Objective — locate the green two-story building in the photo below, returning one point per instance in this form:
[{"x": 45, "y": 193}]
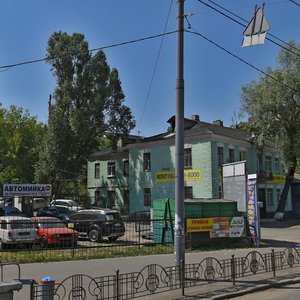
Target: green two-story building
[{"x": 143, "y": 169}]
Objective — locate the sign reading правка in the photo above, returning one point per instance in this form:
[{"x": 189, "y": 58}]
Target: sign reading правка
[
  {"x": 169, "y": 176},
  {"x": 29, "y": 190}
]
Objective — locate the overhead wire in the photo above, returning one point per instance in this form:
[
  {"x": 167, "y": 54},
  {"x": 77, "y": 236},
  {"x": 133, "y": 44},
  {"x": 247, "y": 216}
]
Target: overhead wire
[
  {"x": 296, "y": 3},
  {"x": 237, "y": 57},
  {"x": 7, "y": 67},
  {"x": 155, "y": 67},
  {"x": 236, "y": 21}
]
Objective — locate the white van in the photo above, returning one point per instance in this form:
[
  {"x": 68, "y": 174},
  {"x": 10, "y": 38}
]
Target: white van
[
  {"x": 38, "y": 203},
  {"x": 16, "y": 230}
]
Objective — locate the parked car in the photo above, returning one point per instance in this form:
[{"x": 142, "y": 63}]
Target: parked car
[
  {"x": 39, "y": 203},
  {"x": 52, "y": 231},
  {"x": 16, "y": 230},
  {"x": 97, "y": 224},
  {"x": 61, "y": 212},
  {"x": 6, "y": 201},
  {"x": 11, "y": 211},
  {"x": 71, "y": 204}
]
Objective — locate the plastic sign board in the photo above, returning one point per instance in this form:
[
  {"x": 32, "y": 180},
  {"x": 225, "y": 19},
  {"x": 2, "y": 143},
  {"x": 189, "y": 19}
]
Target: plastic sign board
[
  {"x": 256, "y": 31},
  {"x": 169, "y": 176},
  {"x": 27, "y": 190}
]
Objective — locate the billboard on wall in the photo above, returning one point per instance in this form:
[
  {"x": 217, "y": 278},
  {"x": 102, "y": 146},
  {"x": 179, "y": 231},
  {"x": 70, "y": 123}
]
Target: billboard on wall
[
  {"x": 169, "y": 176},
  {"x": 217, "y": 227},
  {"x": 234, "y": 183},
  {"x": 27, "y": 190}
]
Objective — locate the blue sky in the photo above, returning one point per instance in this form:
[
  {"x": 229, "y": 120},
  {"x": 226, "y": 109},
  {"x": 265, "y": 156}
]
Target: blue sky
[{"x": 213, "y": 79}]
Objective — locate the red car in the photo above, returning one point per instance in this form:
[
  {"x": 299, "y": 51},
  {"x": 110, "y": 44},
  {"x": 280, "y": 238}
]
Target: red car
[{"x": 52, "y": 231}]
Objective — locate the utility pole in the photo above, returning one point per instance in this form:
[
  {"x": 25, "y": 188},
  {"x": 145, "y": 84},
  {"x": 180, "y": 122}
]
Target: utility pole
[{"x": 179, "y": 236}]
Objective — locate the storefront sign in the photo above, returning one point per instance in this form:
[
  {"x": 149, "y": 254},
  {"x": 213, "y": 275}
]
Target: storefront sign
[
  {"x": 237, "y": 226},
  {"x": 277, "y": 179},
  {"x": 199, "y": 225},
  {"x": 169, "y": 176},
  {"x": 29, "y": 190}
]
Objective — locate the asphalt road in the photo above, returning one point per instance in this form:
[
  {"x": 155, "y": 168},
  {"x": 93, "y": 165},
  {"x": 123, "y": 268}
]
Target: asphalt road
[{"x": 274, "y": 234}]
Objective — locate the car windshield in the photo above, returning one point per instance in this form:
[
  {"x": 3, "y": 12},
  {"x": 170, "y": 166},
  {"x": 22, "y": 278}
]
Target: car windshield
[
  {"x": 18, "y": 224},
  {"x": 51, "y": 224},
  {"x": 12, "y": 210}
]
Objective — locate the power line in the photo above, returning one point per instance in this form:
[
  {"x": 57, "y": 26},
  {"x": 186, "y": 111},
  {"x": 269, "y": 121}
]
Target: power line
[
  {"x": 7, "y": 67},
  {"x": 239, "y": 58},
  {"x": 155, "y": 68},
  {"x": 236, "y": 21},
  {"x": 295, "y": 2}
]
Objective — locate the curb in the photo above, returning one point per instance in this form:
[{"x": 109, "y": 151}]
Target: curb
[{"x": 254, "y": 289}]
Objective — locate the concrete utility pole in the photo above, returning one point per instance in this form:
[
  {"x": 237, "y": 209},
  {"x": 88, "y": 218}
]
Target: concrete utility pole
[{"x": 179, "y": 237}]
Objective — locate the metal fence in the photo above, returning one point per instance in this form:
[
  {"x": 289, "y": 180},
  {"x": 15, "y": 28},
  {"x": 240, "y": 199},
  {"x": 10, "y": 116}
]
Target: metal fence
[
  {"x": 18, "y": 244},
  {"x": 154, "y": 278}
]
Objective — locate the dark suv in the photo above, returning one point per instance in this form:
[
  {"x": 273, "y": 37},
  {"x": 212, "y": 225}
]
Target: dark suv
[{"x": 97, "y": 224}]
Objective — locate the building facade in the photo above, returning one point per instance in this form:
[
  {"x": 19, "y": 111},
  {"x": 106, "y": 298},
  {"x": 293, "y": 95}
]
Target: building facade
[{"x": 143, "y": 169}]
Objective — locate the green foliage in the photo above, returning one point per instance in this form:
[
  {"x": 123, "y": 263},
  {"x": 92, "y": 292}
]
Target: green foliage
[
  {"x": 273, "y": 104},
  {"x": 88, "y": 104},
  {"x": 20, "y": 137}
]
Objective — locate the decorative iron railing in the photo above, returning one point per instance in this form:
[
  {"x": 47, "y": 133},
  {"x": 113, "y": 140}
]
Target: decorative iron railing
[{"x": 155, "y": 278}]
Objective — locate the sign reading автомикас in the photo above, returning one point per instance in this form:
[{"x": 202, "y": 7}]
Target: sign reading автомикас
[{"x": 30, "y": 190}]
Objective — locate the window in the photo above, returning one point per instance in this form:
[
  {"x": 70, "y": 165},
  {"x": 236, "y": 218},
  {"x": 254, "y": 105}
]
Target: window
[
  {"x": 259, "y": 162},
  {"x": 242, "y": 155},
  {"x": 147, "y": 197},
  {"x": 231, "y": 155},
  {"x": 268, "y": 163},
  {"x": 126, "y": 167},
  {"x": 277, "y": 165},
  {"x": 187, "y": 157},
  {"x": 111, "y": 198},
  {"x": 126, "y": 201},
  {"x": 270, "y": 197},
  {"x": 147, "y": 161},
  {"x": 188, "y": 192},
  {"x": 97, "y": 196},
  {"x": 278, "y": 193},
  {"x": 220, "y": 156},
  {"x": 111, "y": 168},
  {"x": 97, "y": 170}
]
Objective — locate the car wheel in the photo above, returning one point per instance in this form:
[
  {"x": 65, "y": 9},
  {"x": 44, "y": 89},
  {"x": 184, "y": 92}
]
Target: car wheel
[
  {"x": 44, "y": 242},
  {"x": 94, "y": 235}
]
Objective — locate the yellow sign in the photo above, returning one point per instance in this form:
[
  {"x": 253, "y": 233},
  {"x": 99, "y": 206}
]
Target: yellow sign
[
  {"x": 199, "y": 225},
  {"x": 169, "y": 176},
  {"x": 277, "y": 179}
]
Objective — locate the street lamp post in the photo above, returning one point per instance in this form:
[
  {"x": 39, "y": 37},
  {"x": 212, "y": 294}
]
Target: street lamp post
[{"x": 179, "y": 236}]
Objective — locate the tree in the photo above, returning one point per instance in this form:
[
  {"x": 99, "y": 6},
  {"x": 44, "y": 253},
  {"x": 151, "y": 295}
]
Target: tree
[
  {"x": 273, "y": 105},
  {"x": 88, "y": 103},
  {"x": 20, "y": 136}
]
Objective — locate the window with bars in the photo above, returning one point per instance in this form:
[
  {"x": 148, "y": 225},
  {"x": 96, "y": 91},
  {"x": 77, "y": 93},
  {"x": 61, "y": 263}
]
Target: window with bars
[
  {"x": 147, "y": 197},
  {"x": 111, "y": 168},
  {"x": 97, "y": 170},
  {"x": 147, "y": 161},
  {"x": 188, "y": 157},
  {"x": 277, "y": 164}
]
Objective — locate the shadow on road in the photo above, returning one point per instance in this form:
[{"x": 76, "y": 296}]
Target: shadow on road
[
  {"x": 278, "y": 243},
  {"x": 272, "y": 223}
]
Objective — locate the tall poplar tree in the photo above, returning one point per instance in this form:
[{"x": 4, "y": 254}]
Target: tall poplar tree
[{"x": 88, "y": 102}]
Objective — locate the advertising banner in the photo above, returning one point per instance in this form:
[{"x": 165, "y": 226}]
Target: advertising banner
[
  {"x": 252, "y": 214},
  {"x": 27, "y": 190}
]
